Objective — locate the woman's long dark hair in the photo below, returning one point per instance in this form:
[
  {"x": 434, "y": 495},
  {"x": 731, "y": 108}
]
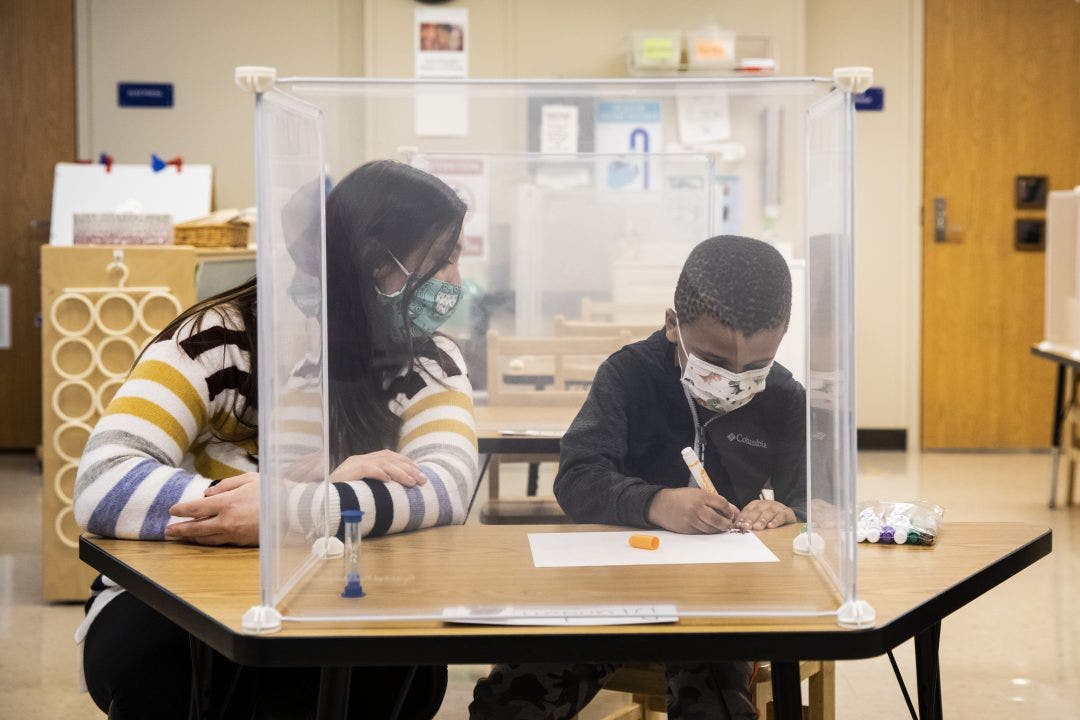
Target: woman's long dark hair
[{"x": 379, "y": 209}]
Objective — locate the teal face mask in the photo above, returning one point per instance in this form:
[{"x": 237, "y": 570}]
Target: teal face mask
[{"x": 431, "y": 305}]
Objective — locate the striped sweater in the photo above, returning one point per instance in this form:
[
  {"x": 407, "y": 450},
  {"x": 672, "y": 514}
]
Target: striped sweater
[{"x": 155, "y": 446}]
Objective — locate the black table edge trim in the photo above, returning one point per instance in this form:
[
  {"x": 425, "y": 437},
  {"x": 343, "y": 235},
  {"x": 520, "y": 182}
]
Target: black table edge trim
[
  {"x": 270, "y": 650},
  {"x": 1055, "y": 357}
]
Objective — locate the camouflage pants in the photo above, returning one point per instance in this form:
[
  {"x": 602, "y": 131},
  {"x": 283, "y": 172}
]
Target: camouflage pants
[{"x": 717, "y": 691}]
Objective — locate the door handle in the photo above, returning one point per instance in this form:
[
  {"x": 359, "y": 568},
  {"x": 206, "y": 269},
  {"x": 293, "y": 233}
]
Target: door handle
[{"x": 941, "y": 221}]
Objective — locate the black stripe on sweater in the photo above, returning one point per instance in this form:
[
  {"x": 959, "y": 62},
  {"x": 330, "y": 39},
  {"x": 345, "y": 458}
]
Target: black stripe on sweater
[
  {"x": 211, "y": 338},
  {"x": 229, "y": 378},
  {"x": 384, "y": 507},
  {"x": 347, "y": 500}
]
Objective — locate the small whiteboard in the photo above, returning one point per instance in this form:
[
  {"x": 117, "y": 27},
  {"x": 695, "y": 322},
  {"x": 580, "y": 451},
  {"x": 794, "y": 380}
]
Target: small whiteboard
[{"x": 81, "y": 188}]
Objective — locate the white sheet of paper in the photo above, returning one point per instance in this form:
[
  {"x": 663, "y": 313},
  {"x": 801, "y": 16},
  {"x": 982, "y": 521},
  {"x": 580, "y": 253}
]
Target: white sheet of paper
[
  {"x": 596, "y": 549},
  {"x": 562, "y": 615},
  {"x": 442, "y": 111}
]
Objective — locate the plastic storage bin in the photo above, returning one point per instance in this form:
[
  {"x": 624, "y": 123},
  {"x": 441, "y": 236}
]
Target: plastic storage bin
[
  {"x": 596, "y": 232},
  {"x": 710, "y": 48},
  {"x": 656, "y": 49}
]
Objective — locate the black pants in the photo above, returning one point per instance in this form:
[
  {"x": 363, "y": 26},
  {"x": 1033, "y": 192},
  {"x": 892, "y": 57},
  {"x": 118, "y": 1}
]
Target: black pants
[{"x": 138, "y": 664}]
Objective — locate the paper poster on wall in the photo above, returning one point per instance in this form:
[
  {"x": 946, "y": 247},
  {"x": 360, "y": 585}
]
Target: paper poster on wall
[
  {"x": 469, "y": 178},
  {"x": 702, "y": 118},
  {"x": 441, "y": 44},
  {"x": 627, "y": 128},
  {"x": 686, "y": 206},
  {"x": 559, "y": 129},
  {"x": 441, "y": 41}
]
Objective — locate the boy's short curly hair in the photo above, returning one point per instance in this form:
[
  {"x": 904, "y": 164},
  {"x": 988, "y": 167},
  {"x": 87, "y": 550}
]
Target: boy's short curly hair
[{"x": 742, "y": 282}]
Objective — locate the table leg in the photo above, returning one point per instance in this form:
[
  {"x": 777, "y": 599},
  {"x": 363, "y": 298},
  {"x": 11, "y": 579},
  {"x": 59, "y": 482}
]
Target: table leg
[
  {"x": 199, "y": 702},
  {"x": 333, "y": 693},
  {"x": 534, "y": 480},
  {"x": 406, "y": 685},
  {"x": 928, "y": 672},
  {"x": 787, "y": 697},
  {"x": 1055, "y": 433}
]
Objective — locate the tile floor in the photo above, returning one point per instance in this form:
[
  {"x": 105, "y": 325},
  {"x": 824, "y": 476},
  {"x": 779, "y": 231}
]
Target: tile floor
[{"x": 1013, "y": 653}]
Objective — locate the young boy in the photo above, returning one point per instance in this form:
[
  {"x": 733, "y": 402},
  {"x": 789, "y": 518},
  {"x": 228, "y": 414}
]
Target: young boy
[{"x": 707, "y": 381}]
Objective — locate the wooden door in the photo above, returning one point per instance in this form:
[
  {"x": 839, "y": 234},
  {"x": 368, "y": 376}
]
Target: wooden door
[
  {"x": 37, "y": 130},
  {"x": 1002, "y": 98}
]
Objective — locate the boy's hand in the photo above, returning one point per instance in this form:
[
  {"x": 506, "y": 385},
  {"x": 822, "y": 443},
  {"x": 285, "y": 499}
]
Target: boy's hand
[
  {"x": 691, "y": 511},
  {"x": 764, "y": 514}
]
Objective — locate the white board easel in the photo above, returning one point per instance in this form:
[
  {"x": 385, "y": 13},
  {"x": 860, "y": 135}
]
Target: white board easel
[{"x": 78, "y": 188}]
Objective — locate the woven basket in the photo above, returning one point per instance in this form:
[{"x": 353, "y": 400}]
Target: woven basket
[{"x": 219, "y": 229}]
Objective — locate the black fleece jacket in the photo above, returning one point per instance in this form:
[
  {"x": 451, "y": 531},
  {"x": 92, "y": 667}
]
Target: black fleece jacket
[{"x": 625, "y": 444}]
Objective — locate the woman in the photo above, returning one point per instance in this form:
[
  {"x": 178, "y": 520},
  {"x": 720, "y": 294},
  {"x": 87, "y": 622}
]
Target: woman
[{"x": 175, "y": 455}]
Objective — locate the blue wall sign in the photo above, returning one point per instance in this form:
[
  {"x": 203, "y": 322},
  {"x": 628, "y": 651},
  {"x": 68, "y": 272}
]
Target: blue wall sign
[
  {"x": 872, "y": 99},
  {"x": 144, "y": 94}
]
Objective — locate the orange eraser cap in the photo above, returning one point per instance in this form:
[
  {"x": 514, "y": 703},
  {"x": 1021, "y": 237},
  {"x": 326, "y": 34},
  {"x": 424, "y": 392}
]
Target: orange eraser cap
[{"x": 645, "y": 542}]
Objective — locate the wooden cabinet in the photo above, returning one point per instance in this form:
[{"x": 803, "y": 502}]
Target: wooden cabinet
[{"x": 100, "y": 305}]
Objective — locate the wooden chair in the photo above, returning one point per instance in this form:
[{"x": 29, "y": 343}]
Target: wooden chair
[
  {"x": 638, "y": 313},
  {"x": 647, "y": 685},
  {"x": 556, "y": 371},
  {"x": 602, "y": 328},
  {"x": 583, "y": 369}
]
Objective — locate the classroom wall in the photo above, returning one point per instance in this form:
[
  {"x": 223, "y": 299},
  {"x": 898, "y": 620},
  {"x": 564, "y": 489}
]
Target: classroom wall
[
  {"x": 887, "y": 35},
  {"x": 575, "y": 38},
  {"x": 196, "y": 44}
]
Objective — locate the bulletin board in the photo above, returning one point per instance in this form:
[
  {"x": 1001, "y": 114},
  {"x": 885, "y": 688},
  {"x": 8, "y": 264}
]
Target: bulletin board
[{"x": 93, "y": 326}]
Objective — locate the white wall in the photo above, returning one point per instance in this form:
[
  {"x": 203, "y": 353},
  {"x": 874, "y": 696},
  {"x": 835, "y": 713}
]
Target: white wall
[
  {"x": 887, "y": 35},
  {"x": 575, "y": 38},
  {"x": 195, "y": 45}
]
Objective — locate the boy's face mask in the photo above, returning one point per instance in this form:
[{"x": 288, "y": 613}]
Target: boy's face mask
[
  {"x": 431, "y": 305},
  {"x": 716, "y": 388}
]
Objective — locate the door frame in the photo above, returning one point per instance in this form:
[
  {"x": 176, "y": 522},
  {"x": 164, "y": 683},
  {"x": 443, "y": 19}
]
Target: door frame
[{"x": 914, "y": 232}]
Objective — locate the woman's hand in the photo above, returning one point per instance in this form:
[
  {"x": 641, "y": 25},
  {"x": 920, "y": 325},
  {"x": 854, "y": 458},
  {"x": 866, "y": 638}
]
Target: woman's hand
[
  {"x": 227, "y": 514},
  {"x": 307, "y": 468},
  {"x": 385, "y": 465},
  {"x": 764, "y": 514}
]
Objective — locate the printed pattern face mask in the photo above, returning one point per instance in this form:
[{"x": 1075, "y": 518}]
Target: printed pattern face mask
[
  {"x": 716, "y": 388},
  {"x": 431, "y": 305}
]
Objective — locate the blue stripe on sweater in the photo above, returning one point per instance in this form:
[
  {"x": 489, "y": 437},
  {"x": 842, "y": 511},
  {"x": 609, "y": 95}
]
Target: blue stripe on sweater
[
  {"x": 416, "y": 501},
  {"x": 157, "y": 517},
  {"x": 107, "y": 513}
]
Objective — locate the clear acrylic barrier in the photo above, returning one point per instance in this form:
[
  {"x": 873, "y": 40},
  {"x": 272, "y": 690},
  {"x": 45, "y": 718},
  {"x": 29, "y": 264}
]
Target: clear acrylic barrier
[
  {"x": 292, "y": 411},
  {"x": 584, "y": 200},
  {"x": 1062, "y": 331}
]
